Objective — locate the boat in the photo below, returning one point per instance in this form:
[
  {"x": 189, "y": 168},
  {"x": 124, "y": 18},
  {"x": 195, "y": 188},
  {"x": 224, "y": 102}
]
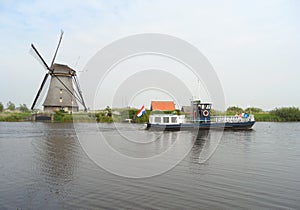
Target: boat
[{"x": 200, "y": 119}]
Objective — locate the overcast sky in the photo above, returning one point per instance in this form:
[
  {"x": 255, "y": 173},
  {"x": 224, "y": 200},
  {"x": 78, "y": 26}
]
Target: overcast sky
[{"x": 253, "y": 46}]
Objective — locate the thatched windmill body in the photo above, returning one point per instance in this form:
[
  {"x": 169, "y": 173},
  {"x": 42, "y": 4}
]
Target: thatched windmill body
[{"x": 64, "y": 90}]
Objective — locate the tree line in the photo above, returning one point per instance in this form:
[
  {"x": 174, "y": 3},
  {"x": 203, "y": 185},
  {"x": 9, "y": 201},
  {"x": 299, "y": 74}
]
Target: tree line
[
  {"x": 282, "y": 114},
  {"x": 12, "y": 107}
]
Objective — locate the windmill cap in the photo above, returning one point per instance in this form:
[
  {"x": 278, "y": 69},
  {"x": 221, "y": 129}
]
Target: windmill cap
[{"x": 62, "y": 69}]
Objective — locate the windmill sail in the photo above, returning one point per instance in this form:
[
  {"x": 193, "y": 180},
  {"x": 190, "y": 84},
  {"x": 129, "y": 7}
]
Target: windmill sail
[
  {"x": 39, "y": 91},
  {"x": 61, "y": 35}
]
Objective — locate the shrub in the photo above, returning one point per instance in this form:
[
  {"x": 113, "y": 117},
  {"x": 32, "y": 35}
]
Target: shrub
[
  {"x": 253, "y": 110},
  {"x": 11, "y": 106},
  {"x": 23, "y": 108},
  {"x": 1, "y": 107},
  {"x": 287, "y": 113},
  {"x": 266, "y": 117},
  {"x": 234, "y": 110}
]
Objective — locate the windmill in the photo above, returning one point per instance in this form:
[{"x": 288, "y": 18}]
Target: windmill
[{"x": 64, "y": 90}]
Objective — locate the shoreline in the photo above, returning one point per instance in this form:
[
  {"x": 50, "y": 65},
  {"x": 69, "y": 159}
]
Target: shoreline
[{"x": 100, "y": 118}]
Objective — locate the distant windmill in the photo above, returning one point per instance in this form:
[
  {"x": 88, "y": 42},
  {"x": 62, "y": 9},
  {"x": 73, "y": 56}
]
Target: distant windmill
[{"x": 61, "y": 93}]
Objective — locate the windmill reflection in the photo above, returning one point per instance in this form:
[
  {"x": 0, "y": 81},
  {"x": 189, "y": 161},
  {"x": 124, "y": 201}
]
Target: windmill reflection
[{"x": 57, "y": 154}]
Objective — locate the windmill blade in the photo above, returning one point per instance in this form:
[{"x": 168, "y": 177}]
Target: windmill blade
[
  {"x": 74, "y": 94},
  {"x": 39, "y": 57},
  {"x": 40, "y": 90},
  {"x": 61, "y": 35},
  {"x": 79, "y": 91}
]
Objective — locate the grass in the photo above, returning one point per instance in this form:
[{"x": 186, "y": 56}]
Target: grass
[{"x": 14, "y": 116}]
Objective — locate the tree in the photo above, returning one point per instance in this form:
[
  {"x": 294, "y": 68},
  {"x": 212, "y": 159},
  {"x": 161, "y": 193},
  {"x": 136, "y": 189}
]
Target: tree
[
  {"x": 287, "y": 113},
  {"x": 108, "y": 111},
  {"x": 1, "y": 107},
  {"x": 23, "y": 108},
  {"x": 234, "y": 110},
  {"x": 11, "y": 106},
  {"x": 253, "y": 110}
]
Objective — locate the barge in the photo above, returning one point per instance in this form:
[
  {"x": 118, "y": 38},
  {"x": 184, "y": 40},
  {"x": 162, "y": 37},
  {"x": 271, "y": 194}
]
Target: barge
[{"x": 200, "y": 119}]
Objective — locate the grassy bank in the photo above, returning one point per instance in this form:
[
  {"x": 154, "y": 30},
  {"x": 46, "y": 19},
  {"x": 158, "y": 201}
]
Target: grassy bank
[
  {"x": 76, "y": 117},
  {"x": 286, "y": 114},
  {"x": 14, "y": 116}
]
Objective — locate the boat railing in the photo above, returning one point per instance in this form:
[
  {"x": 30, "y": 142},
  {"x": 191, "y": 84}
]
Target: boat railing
[{"x": 224, "y": 119}]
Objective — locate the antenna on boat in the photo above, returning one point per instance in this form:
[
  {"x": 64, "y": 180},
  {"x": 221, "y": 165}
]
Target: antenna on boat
[{"x": 198, "y": 87}]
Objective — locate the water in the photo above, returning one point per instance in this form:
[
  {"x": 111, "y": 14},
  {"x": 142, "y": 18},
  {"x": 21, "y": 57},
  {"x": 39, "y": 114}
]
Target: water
[{"x": 42, "y": 166}]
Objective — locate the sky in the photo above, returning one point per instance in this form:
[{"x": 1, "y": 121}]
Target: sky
[{"x": 253, "y": 46}]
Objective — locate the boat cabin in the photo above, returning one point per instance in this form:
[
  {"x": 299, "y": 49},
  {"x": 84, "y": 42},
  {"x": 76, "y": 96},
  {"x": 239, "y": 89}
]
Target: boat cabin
[
  {"x": 167, "y": 119},
  {"x": 201, "y": 111}
]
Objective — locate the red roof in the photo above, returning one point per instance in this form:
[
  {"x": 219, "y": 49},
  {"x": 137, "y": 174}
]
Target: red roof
[{"x": 162, "y": 105}]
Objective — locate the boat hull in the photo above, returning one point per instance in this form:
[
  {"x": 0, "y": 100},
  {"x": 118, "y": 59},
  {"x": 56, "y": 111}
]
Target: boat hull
[{"x": 202, "y": 126}]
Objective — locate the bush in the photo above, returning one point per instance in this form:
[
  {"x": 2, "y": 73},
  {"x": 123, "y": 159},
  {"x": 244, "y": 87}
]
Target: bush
[
  {"x": 287, "y": 113},
  {"x": 103, "y": 117},
  {"x": 266, "y": 117},
  {"x": 279, "y": 115},
  {"x": 1, "y": 107},
  {"x": 23, "y": 108},
  {"x": 254, "y": 110},
  {"x": 11, "y": 106},
  {"x": 143, "y": 119},
  {"x": 214, "y": 112},
  {"x": 62, "y": 116},
  {"x": 234, "y": 110}
]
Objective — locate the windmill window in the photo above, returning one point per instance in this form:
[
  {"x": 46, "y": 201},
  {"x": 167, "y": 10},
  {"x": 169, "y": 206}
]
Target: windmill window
[
  {"x": 60, "y": 99},
  {"x": 60, "y": 91}
]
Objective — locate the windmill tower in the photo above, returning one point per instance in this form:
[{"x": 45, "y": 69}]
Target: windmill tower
[{"x": 64, "y": 90}]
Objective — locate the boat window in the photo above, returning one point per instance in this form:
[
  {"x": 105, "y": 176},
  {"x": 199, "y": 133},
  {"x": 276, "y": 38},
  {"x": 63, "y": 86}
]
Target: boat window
[
  {"x": 166, "y": 119},
  {"x": 157, "y": 120},
  {"x": 174, "y": 119},
  {"x": 151, "y": 119}
]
